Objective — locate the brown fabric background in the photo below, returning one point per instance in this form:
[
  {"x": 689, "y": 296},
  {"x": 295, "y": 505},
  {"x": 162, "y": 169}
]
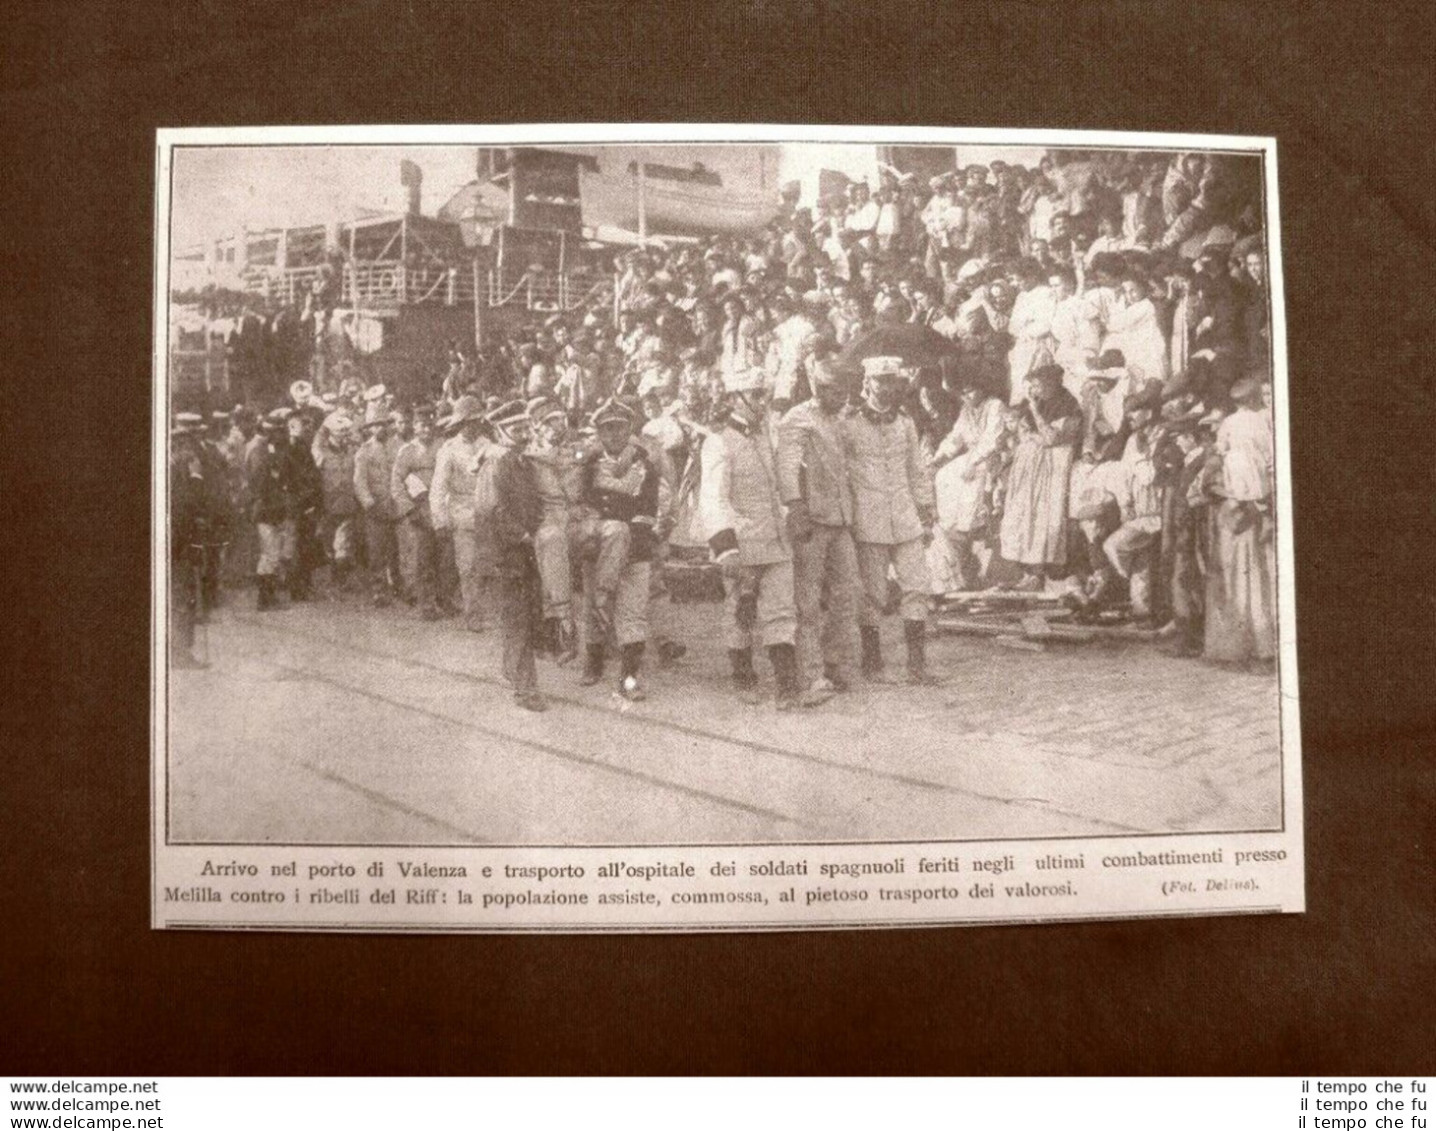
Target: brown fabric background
[{"x": 87, "y": 988}]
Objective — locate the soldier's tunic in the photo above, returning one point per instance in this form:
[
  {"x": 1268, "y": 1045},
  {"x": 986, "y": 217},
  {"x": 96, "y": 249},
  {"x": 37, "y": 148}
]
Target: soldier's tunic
[
  {"x": 336, "y": 531},
  {"x": 812, "y": 466},
  {"x": 742, "y": 512},
  {"x": 558, "y": 474},
  {"x": 451, "y": 505},
  {"x": 219, "y": 517},
  {"x": 187, "y": 523},
  {"x": 410, "y": 482},
  {"x": 373, "y": 468},
  {"x": 266, "y": 470},
  {"x": 891, "y": 482}
]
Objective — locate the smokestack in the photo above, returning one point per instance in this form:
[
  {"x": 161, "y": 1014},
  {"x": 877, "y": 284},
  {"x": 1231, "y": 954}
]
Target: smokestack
[{"x": 412, "y": 178}]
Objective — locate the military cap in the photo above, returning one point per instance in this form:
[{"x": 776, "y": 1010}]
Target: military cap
[
  {"x": 544, "y": 408},
  {"x": 508, "y": 413},
  {"x": 882, "y": 367},
  {"x": 613, "y": 409}
]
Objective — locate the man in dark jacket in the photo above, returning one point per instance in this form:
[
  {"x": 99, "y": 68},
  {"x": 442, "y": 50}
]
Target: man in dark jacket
[
  {"x": 267, "y": 473},
  {"x": 188, "y": 536},
  {"x": 516, "y": 517},
  {"x": 306, "y": 501}
]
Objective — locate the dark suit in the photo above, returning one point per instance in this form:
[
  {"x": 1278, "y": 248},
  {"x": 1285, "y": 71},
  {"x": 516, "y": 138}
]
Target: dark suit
[{"x": 517, "y": 515}]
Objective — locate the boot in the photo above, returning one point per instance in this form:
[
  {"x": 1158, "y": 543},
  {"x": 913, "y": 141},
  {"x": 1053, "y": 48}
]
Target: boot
[
  {"x": 745, "y": 679},
  {"x": 531, "y": 700},
  {"x": 264, "y": 588},
  {"x": 628, "y": 684},
  {"x": 593, "y": 665},
  {"x": 834, "y": 675},
  {"x": 299, "y": 585},
  {"x": 817, "y": 693},
  {"x": 915, "y": 632},
  {"x": 872, "y": 661},
  {"x": 785, "y": 674}
]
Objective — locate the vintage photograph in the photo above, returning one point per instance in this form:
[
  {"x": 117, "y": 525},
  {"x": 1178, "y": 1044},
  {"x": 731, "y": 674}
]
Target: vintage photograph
[{"x": 775, "y": 493}]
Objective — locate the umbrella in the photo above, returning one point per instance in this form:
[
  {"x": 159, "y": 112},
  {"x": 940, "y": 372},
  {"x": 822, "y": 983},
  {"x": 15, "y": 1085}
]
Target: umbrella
[{"x": 919, "y": 346}]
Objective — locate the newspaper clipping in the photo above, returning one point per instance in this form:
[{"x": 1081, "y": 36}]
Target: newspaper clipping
[{"x": 711, "y": 528}]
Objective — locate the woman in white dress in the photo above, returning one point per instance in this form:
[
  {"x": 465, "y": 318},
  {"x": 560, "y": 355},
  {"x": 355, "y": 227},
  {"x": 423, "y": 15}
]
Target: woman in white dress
[
  {"x": 1030, "y": 324},
  {"x": 1034, "y": 523},
  {"x": 964, "y": 478},
  {"x": 1133, "y": 328},
  {"x": 1241, "y": 581}
]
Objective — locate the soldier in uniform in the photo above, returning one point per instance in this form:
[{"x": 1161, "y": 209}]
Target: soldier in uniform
[
  {"x": 451, "y": 502},
  {"x": 743, "y": 518},
  {"x": 515, "y": 520},
  {"x": 214, "y": 483},
  {"x": 306, "y": 502},
  {"x": 620, "y": 491},
  {"x": 219, "y": 498},
  {"x": 333, "y": 452},
  {"x": 893, "y": 510},
  {"x": 373, "y": 473},
  {"x": 556, "y": 455},
  {"x": 188, "y": 512},
  {"x": 267, "y": 472},
  {"x": 816, "y": 487},
  {"x": 409, "y": 484}
]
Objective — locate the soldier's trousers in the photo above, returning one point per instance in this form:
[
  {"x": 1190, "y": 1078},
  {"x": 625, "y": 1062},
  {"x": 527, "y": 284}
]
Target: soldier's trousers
[
  {"x": 602, "y": 545},
  {"x": 909, "y": 563},
  {"x": 276, "y": 547},
  {"x": 660, "y": 600},
  {"x": 552, "y": 551},
  {"x": 450, "y": 594},
  {"x": 471, "y": 560},
  {"x": 777, "y": 617},
  {"x": 182, "y": 607},
  {"x": 336, "y": 534},
  {"x": 1130, "y": 540},
  {"x": 518, "y": 609},
  {"x": 421, "y": 577},
  {"x": 827, "y": 560},
  {"x": 383, "y": 550},
  {"x": 408, "y": 554},
  {"x": 630, "y": 604}
]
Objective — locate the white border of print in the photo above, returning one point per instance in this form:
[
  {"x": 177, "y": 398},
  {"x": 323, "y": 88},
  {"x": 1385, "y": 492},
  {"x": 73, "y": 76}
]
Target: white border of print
[{"x": 1286, "y": 893}]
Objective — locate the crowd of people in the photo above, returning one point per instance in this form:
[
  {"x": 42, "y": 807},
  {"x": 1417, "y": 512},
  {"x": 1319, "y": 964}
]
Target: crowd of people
[{"x": 1050, "y": 380}]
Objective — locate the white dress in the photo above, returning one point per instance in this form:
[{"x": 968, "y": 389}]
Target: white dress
[
  {"x": 1241, "y": 616},
  {"x": 1030, "y": 325},
  {"x": 1133, "y": 328},
  {"x": 962, "y": 484}
]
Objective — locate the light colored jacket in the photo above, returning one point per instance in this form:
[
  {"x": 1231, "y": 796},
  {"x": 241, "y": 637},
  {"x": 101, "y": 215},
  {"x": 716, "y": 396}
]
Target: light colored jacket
[
  {"x": 793, "y": 342},
  {"x": 813, "y": 464},
  {"x": 559, "y": 473},
  {"x": 891, "y": 479},
  {"x": 417, "y": 459},
  {"x": 451, "y": 491},
  {"x": 373, "y": 466},
  {"x": 738, "y": 498}
]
